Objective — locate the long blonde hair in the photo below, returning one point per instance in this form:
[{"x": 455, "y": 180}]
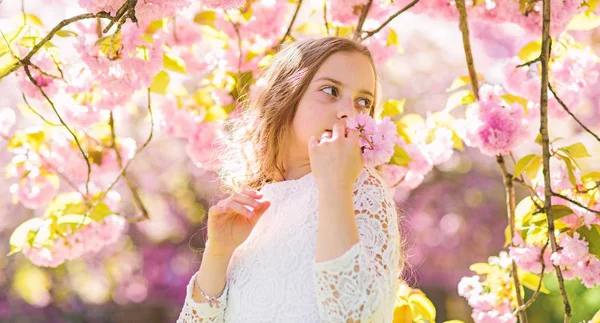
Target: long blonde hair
[{"x": 250, "y": 156}]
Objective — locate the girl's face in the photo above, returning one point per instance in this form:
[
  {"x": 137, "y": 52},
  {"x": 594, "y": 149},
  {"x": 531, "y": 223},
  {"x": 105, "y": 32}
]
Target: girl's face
[{"x": 342, "y": 87}]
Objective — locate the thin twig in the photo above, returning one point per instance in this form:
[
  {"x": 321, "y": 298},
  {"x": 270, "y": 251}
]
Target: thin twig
[
  {"x": 130, "y": 184},
  {"x": 464, "y": 28},
  {"x": 38, "y": 114},
  {"x": 373, "y": 32},
  {"x": 511, "y": 205},
  {"x": 289, "y": 29},
  {"x": 87, "y": 161},
  {"x": 538, "y": 59},
  {"x": 524, "y": 307},
  {"x": 239, "y": 40},
  {"x": 574, "y": 202},
  {"x": 57, "y": 28},
  {"x": 361, "y": 20},
  {"x": 325, "y": 17},
  {"x": 124, "y": 169},
  {"x": 571, "y": 113},
  {"x": 545, "y": 57}
]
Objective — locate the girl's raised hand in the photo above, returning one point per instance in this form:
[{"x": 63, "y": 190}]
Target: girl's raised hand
[
  {"x": 232, "y": 219},
  {"x": 335, "y": 158}
]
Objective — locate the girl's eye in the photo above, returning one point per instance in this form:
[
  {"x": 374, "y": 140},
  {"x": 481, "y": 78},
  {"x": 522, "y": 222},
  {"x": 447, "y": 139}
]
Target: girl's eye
[
  {"x": 330, "y": 90},
  {"x": 366, "y": 104}
]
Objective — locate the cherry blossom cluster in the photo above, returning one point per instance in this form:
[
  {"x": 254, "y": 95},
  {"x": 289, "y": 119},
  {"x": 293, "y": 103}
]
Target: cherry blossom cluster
[
  {"x": 377, "y": 138},
  {"x": 490, "y": 304},
  {"x": 88, "y": 239}
]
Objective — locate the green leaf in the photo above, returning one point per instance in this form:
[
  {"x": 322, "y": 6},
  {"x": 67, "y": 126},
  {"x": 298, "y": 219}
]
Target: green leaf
[
  {"x": 160, "y": 82},
  {"x": 576, "y": 150},
  {"x": 459, "y": 82},
  {"x": 29, "y": 18},
  {"x": 538, "y": 139},
  {"x": 591, "y": 176},
  {"x": 558, "y": 211},
  {"x": 524, "y": 211},
  {"x": 21, "y": 235},
  {"x": 507, "y": 239},
  {"x": 156, "y": 25},
  {"x": 66, "y": 33},
  {"x": 460, "y": 98},
  {"x": 592, "y": 236},
  {"x": 531, "y": 281},
  {"x": 31, "y": 41},
  {"x": 482, "y": 268},
  {"x": 584, "y": 21},
  {"x": 32, "y": 138},
  {"x": 393, "y": 107},
  {"x": 215, "y": 113},
  {"x": 510, "y": 99},
  {"x": 71, "y": 203},
  {"x": 421, "y": 307},
  {"x": 522, "y": 164},
  {"x": 206, "y": 18},
  {"x": 570, "y": 169},
  {"x": 400, "y": 157},
  {"x": 531, "y": 51},
  {"x": 393, "y": 40},
  {"x": 173, "y": 63},
  {"x": 534, "y": 167}
]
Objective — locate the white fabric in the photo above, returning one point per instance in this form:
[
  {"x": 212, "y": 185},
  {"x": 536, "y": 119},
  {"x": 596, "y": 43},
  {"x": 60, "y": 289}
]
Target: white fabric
[{"x": 274, "y": 277}]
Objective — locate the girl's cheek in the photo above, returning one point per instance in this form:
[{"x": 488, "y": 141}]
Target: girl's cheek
[{"x": 323, "y": 97}]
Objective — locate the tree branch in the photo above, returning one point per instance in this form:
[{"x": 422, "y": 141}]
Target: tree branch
[
  {"x": 87, "y": 160},
  {"x": 574, "y": 202},
  {"x": 511, "y": 205},
  {"x": 27, "y": 59},
  {"x": 38, "y": 114},
  {"x": 289, "y": 29},
  {"x": 464, "y": 28},
  {"x": 571, "y": 113},
  {"x": 130, "y": 184},
  {"x": 361, "y": 20},
  {"x": 325, "y": 17},
  {"x": 124, "y": 169},
  {"x": 378, "y": 29},
  {"x": 524, "y": 307},
  {"x": 545, "y": 57}
]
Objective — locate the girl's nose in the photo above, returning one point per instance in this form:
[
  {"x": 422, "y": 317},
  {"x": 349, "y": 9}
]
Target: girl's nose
[{"x": 346, "y": 109}]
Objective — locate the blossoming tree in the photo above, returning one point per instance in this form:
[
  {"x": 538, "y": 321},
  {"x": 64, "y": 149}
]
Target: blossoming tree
[{"x": 191, "y": 65}]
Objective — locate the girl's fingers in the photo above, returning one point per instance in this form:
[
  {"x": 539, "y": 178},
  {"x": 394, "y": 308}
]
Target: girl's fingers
[
  {"x": 338, "y": 130},
  {"x": 245, "y": 200},
  {"x": 264, "y": 205},
  {"x": 239, "y": 209},
  {"x": 326, "y": 135},
  {"x": 253, "y": 193}
]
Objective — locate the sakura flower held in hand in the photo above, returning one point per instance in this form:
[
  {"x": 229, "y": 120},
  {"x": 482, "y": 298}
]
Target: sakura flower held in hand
[{"x": 377, "y": 138}]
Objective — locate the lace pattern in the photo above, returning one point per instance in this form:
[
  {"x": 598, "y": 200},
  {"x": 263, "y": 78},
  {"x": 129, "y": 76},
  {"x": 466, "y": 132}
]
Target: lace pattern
[{"x": 274, "y": 277}]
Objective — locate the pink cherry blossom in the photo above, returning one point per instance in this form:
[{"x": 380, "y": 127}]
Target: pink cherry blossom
[
  {"x": 202, "y": 144},
  {"x": 223, "y": 4},
  {"x": 377, "y": 138},
  {"x": 491, "y": 125},
  {"x": 7, "y": 121},
  {"x": 36, "y": 189}
]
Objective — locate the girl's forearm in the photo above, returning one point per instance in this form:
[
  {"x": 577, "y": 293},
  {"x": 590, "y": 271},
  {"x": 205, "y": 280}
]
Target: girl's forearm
[
  {"x": 337, "y": 230},
  {"x": 212, "y": 274}
]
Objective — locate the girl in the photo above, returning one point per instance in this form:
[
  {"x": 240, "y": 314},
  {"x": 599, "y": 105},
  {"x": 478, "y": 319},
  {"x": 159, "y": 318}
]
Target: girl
[{"x": 311, "y": 234}]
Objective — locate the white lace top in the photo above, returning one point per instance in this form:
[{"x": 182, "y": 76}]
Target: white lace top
[{"x": 274, "y": 277}]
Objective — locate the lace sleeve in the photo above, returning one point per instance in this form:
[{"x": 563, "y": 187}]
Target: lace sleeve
[
  {"x": 360, "y": 285},
  {"x": 194, "y": 312}
]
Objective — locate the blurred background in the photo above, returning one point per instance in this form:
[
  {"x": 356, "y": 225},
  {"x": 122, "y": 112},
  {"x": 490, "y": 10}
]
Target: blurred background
[{"x": 454, "y": 219}]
